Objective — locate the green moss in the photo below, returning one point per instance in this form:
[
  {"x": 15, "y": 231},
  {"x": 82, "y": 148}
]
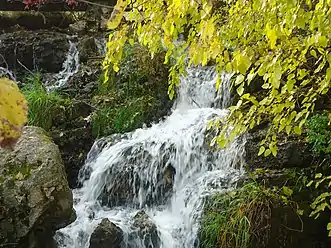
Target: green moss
[
  {"x": 18, "y": 172},
  {"x": 121, "y": 118},
  {"x": 137, "y": 94}
]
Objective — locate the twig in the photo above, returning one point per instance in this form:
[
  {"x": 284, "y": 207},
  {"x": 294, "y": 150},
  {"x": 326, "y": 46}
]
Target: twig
[
  {"x": 96, "y": 4},
  {"x": 195, "y": 103},
  {"x": 25, "y": 67},
  {"x": 4, "y": 60}
]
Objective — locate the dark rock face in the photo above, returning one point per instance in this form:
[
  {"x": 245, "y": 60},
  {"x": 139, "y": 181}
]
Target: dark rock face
[
  {"x": 35, "y": 199},
  {"x": 145, "y": 230},
  {"x": 37, "y": 50},
  {"x": 134, "y": 182},
  {"x": 292, "y": 152},
  {"x": 106, "y": 235}
]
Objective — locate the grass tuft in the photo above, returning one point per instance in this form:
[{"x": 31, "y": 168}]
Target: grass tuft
[
  {"x": 236, "y": 218},
  {"x": 44, "y": 107}
]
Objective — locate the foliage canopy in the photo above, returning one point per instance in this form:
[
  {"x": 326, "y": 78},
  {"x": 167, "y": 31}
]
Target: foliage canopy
[{"x": 280, "y": 46}]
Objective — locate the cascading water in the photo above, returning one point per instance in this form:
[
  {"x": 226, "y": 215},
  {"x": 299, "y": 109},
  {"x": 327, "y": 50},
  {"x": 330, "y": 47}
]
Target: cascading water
[
  {"x": 101, "y": 45},
  {"x": 166, "y": 170},
  {"x": 69, "y": 67}
]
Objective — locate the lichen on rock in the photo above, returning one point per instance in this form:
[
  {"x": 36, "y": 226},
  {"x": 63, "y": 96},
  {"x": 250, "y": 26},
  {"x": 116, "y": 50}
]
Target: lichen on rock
[{"x": 35, "y": 198}]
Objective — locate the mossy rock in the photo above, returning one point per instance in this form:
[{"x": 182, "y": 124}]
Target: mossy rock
[{"x": 35, "y": 198}]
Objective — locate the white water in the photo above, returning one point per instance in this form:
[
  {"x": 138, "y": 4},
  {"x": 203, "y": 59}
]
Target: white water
[
  {"x": 101, "y": 45},
  {"x": 69, "y": 68},
  {"x": 136, "y": 162}
]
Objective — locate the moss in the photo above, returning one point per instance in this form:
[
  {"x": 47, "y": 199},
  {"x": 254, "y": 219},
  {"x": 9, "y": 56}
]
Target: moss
[
  {"x": 136, "y": 95},
  {"x": 18, "y": 171}
]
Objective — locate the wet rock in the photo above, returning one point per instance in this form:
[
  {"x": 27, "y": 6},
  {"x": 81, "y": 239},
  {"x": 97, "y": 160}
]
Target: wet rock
[
  {"x": 144, "y": 229},
  {"x": 35, "y": 199},
  {"x": 140, "y": 179},
  {"x": 73, "y": 135},
  {"x": 292, "y": 152},
  {"x": 34, "y": 20},
  {"x": 106, "y": 235},
  {"x": 43, "y": 51},
  {"x": 87, "y": 48},
  {"x": 83, "y": 84},
  {"x": 74, "y": 145},
  {"x": 78, "y": 27}
]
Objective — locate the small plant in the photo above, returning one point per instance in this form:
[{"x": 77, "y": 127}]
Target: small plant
[
  {"x": 123, "y": 118},
  {"x": 319, "y": 135},
  {"x": 321, "y": 202},
  {"x": 102, "y": 121},
  {"x": 237, "y": 218},
  {"x": 43, "y": 106}
]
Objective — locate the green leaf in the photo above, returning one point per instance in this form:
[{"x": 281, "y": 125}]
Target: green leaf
[
  {"x": 239, "y": 79},
  {"x": 261, "y": 150},
  {"x": 313, "y": 53},
  {"x": 287, "y": 191},
  {"x": 310, "y": 183},
  {"x": 267, "y": 152},
  {"x": 271, "y": 34},
  {"x": 318, "y": 175},
  {"x": 240, "y": 90},
  {"x": 297, "y": 130},
  {"x": 299, "y": 211}
]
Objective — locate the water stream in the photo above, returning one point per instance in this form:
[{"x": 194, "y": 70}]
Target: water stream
[
  {"x": 166, "y": 170},
  {"x": 69, "y": 68}
]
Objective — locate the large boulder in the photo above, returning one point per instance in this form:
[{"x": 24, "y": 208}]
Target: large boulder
[
  {"x": 35, "y": 199},
  {"x": 292, "y": 152},
  {"x": 106, "y": 235},
  {"x": 131, "y": 181},
  {"x": 43, "y": 51}
]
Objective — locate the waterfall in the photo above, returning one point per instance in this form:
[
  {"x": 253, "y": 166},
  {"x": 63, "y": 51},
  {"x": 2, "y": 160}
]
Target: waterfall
[
  {"x": 69, "y": 68},
  {"x": 167, "y": 170},
  {"x": 101, "y": 45}
]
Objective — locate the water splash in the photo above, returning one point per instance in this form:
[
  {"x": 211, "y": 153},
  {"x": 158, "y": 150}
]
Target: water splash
[
  {"x": 223, "y": 98},
  {"x": 167, "y": 170},
  {"x": 70, "y": 67},
  {"x": 101, "y": 45}
]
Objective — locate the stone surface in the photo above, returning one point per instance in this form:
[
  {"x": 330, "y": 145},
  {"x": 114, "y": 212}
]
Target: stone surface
[
  {"x": 106, "y": 235},
  {"x": 292, "y": 152},
  {"x": 35, "y": 199},
  {"x": 145, "y": 230},
  {"x": 130, "y": 182},
  {"x": 43, "y": 51}
]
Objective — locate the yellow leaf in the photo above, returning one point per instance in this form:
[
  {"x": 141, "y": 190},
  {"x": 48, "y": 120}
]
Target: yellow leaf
[
  {"x": 117, "y": 14},
  {"x": 13, "y": 112},
  {"x": 271, "y": 34}
]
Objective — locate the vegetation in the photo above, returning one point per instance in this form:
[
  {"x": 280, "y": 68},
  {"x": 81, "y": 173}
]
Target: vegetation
[
  {"x": 122, "y": 118},
  {"x": 319, "y": 135},
  {"x": 282, "y": 46},
  {"x": 238, "y": 218},
  {"x": 44, "y": 106},
  {"x": 135, "y": 96},
  {"x": 13, "y": 112}
]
